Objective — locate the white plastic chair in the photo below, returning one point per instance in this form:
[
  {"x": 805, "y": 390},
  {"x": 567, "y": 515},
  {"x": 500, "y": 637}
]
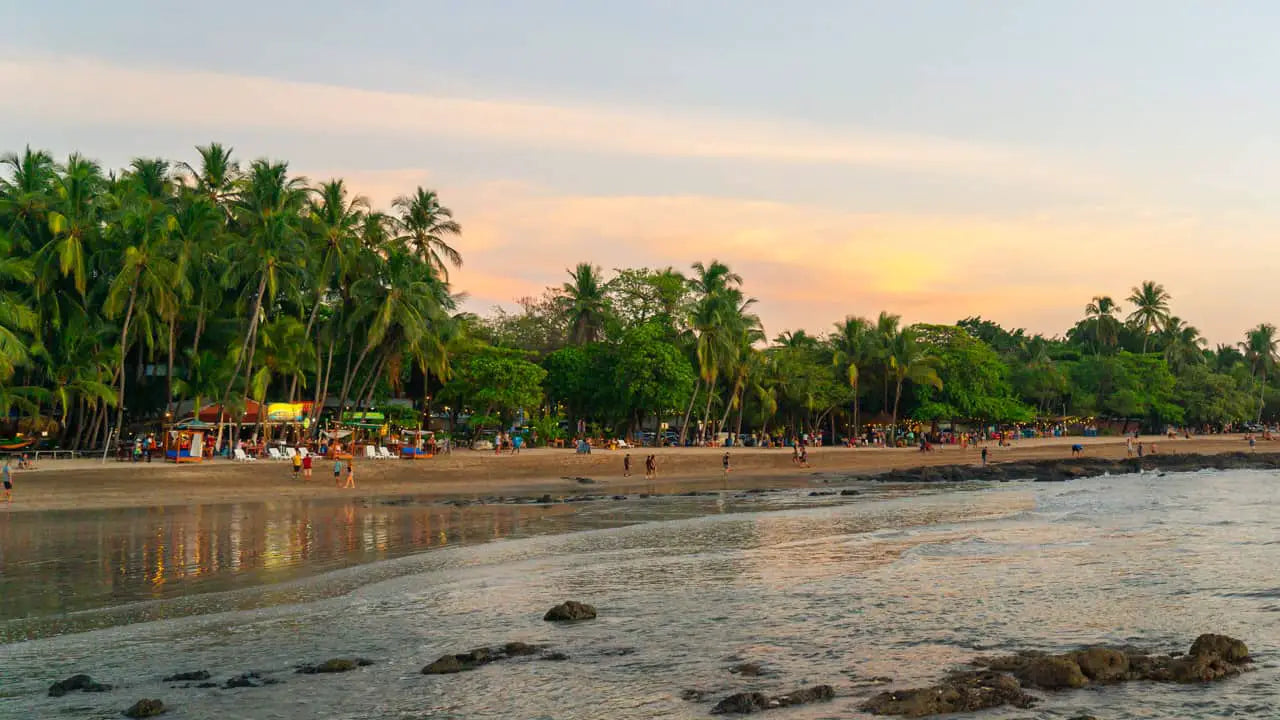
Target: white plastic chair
[
  {"x": 274, "y": 454},
  {"x": 384, "y": 453},
  {"x": 290, "y": 452},
  {"x": 302, "y": 452},
  {"x": 241, "y": 456},
  {"x": 370, "y": 453}
]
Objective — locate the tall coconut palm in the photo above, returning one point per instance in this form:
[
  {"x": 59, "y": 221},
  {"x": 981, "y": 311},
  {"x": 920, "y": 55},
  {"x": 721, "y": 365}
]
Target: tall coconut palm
[
  {"x": 851, "y": 345},
  {"x": 1101, "y": 312},
  {"x": 425, "y": 226},
  {"x": 216, "y": 177},
  {"x": 17, "y": 318},
  {"x": 886, "y": 329},
  {"x": 717, "y": 310},
  {"x": 909, "y": 360},
  {"x": 1260, "y": 350},
  {"x": 1150, "y": 309},
  {"x": 584, "y": 304}
]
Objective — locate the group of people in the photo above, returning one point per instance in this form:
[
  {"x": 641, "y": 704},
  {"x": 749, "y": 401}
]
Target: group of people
[
  {"x": 302, "y": 466},
  {"x": 507, "y": 441},
  {"x": 650, "y": 466}
]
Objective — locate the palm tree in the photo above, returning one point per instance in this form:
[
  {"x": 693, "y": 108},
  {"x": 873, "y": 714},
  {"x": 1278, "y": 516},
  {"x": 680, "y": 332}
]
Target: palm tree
[
  {"x": 424, "y": 225},
  {"x": 16, "y": 317},
  {"x": 1150, "y": 309},
  {"x": 584, "y": 304},
  {"x": 1101, "y": 313},
  {"x": 143, "y": 281},
  {"x": 1183, "y": 344},
  {"x": 886, "y": 329},
  {"x": 1260, "y": 350},
  {"x": 718, "y": 312},
  {"x": 909, "y": 360},
  {"x": 850, "y": 346},
  {"x": 217, "y": 175}
]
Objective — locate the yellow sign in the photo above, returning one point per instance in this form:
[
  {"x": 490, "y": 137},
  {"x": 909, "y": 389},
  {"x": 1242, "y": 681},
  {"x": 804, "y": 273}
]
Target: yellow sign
[{"x": 285, "y": 412}]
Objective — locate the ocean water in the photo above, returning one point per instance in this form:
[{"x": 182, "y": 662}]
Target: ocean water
[{"x": 905, "y": 584}]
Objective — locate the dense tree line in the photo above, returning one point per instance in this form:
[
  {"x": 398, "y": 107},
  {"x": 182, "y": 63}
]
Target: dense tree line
[{"x": 123, "y": 295}]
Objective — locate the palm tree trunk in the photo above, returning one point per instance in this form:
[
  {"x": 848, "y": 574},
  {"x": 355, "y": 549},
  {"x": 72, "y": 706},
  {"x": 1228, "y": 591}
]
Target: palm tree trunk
[
  {"x": 742, "y": 404},
  {"x": 1262, "y": 391},
  {"x": 322, "y": 389},
  {"x": 124, "y": 345},
  {"x": 897, "y": 397},
  {"x": 168, "y": 378},
  {"x": 706, "y": 414},
  {"x": 346, "y": 383},
  {"x": 684, "y": 427},
  {"x": 195, "y": 344},
  {"x": 253, "y": 327}
]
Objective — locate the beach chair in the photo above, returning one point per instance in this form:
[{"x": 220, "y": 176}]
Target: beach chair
[
  {"x": 302, "y": 452},
  {"x": 240, "y": 456},
  {"x": 289, "y": 453},
  {"x": 370, "y": 453},
  {"x": 384, "y": 453},
  {"x": 274, "y": 454}
]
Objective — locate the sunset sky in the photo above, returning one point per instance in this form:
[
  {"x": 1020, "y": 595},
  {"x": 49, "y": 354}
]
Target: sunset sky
[{"x": 936, "y": 159}]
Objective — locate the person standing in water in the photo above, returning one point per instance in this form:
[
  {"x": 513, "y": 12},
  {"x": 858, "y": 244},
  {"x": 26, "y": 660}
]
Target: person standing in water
[
  {"x": 984, "y": 456},
  {"x": 725, "y": 462},
  {"x": 626, "y": 465},
  {"x": 8, "y": 482}
]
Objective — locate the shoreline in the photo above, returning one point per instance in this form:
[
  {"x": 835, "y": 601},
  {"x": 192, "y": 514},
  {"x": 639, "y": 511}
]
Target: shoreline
[{"x": 469, "y": 475}]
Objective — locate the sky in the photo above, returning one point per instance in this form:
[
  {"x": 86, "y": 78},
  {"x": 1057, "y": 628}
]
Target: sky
[{"x": 934, "y": 159}]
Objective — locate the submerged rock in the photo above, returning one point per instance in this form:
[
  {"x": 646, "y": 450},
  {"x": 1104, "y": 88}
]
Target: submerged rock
[
  {"x": 81, "y": 682},
  {"x": 472, "y": 659},
  {"x": 1061, "y": 469},
  {"x": 188, "y": 676},
  {"x": 145, "y": 709},
  {"x": 570, "y": 611},
  {"x": 333, "y": 665},
  {"x": 248, "y": 680},
  {"x": 962, "y": 692},
  {"x": 750, "y": 702}
]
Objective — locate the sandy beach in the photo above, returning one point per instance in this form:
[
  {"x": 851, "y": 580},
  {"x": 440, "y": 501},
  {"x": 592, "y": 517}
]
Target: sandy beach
[{"x": 91, "y": 484}]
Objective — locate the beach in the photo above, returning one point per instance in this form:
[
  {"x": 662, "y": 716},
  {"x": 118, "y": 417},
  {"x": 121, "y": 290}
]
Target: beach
[{"x": 89, "y": 483}]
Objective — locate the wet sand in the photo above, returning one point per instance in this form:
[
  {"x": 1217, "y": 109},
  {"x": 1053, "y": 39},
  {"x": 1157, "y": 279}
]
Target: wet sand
[{"x": 91, "y": 484}]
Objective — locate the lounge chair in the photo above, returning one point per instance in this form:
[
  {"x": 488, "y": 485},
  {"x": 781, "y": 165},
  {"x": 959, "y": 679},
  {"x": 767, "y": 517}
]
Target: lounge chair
[
  {"x": 274, "y": 454},
  {"x": 290, "y": 452},
  {"x": 384, "y": 453},
  {"x": 302, "y": 452},
  {"x": 370, "y": 453},
  {"x": 240, "y": 456}
]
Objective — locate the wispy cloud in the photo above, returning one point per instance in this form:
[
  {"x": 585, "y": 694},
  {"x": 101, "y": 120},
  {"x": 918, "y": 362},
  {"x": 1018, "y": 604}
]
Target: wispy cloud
[{"x": 60, "y": 88}]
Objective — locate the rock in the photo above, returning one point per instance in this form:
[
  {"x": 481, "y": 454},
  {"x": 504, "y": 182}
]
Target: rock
[
  {"x": 546, "y": 499},
  {"x": 1227, "y": 648},
  {"x": 850, "y": 492},
  {"x": 555, "y": 656},
  {"x": 188, "y": 676},
  {"x": 750, "y": 702},
  {"x": 742, "y": 704},
  {"x": 1103, "y": 665},
  {"x": 1053, "y": 673},
  {"x": 145, "y": 709},
  {"x": 570, "y": 611},
  {"x": 962, "y": 692},
  {"x": 691, "y": 695},
  {"x": 619, "y": 497},
  {"x": 822, "y": 493},
  {"x": 204, "y": 685},
  {"x": 83, "y": 683},
  {"x": 1083, "y": 717},
  {"x": 333, "y": 665},
  {"x": 248, "y": 680},
  {"x": 747, "y": 669},
  {"x": 519, "y": 649},
  {"x": 447, "y": 665},
  {"x": 585, "y": 481}
]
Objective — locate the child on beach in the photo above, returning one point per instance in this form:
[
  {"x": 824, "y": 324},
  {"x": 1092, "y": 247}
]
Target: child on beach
[
  {"x": 725, "y": 461},
  {"x": 351, "y": 475},
  {"x": 306, "y": 468},
  {"x": 337, "y": 473},
  {"x": 650, "y": 468},
  {"x": 8, "y": 482},
  {"x": 297, "y": 465}
]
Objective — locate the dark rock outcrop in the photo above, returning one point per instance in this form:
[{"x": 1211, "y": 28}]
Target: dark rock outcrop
[
  {"x": 145, "y": 709},
  {"x": 248, "y": 680},
  {"x": 1058, "y": 470},
  {"x": 961, "y": 692},
  {"x": 570, "y": 611},
  {"x": 472, "y": 659},
  {"x": 193, "y": 676},
  {"x": 333, "y": 665},
  {"x": 750, "y": 702},
  {"x": 1212, "y": 657},
  {"x": 82, "y": 683}
]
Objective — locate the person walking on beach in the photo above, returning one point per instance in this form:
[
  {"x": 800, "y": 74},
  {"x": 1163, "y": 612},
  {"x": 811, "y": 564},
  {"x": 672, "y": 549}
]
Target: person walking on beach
[
  {"x": 626, "y": 465},
  {"x": 795, "y": 453},
  {"x": 1253, "y": 443},
  {"x": 306, "y": 468},
  {"x": 984, "y": 456},
  {"x": 804, "y": 456},
  {"x": 1139, "y": 449},
  {"x": 1128, "y": 446},
  {"x": 351, "y": 475},
  {"x": 8, "y": 482},
  {"x": 650, "y": 468},
  {"x": 297, "y": 465},
  {"x": 337, "y": 473},
  {"x": 725, "y": 462}
]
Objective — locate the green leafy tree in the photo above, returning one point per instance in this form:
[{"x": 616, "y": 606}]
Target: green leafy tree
[{"x": 1150, "y": 309}]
